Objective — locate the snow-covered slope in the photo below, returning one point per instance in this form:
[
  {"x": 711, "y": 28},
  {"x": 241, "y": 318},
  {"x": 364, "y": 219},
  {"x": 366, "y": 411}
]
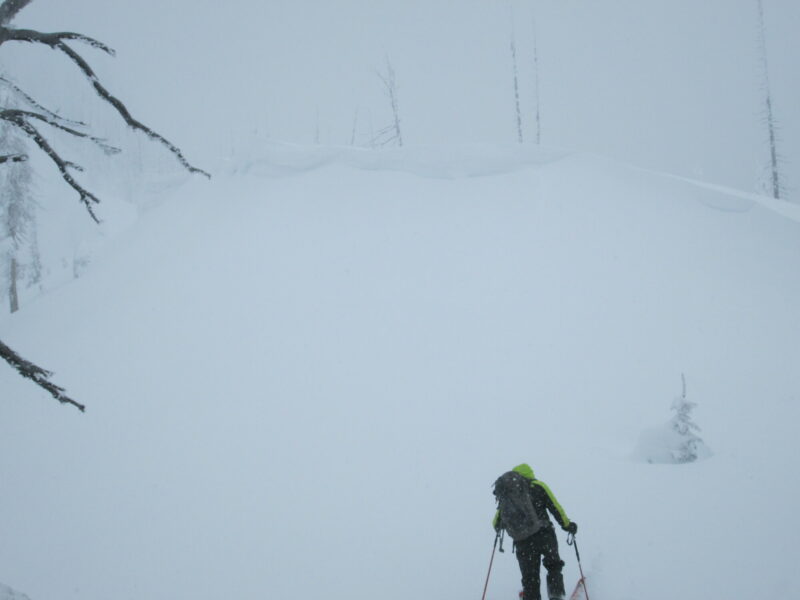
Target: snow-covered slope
[{"x": 301, "y": 382}]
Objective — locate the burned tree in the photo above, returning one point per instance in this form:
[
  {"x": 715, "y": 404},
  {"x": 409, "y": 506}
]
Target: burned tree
[
  {"x": 391, "y": 134},
  {"x": 775, "y": 184},
  {"x": 32, "y": 120},
  {"x": 516, "y": 90},
  {"x": 537, "y": 97}
]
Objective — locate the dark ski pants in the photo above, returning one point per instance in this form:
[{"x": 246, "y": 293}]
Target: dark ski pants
[{"x": 541, "y": 547}]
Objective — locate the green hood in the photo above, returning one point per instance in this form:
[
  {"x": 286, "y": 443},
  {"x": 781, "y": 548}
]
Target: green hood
[{"x": 524, "y": 470}]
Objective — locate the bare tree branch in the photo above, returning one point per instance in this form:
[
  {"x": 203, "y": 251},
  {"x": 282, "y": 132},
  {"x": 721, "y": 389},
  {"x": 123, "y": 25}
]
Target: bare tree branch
[
  {"x": 390, "y": 90},
  {"x": 34, "y": 104},
  {"x": 10, "y": 8},
  {"x": 12, "y": 114},
  {"x": 56, "y": 41},
  {"x": 11, "y": 34},
  {"x": 385, "y": 137},
  {"x": 22, "y": 119},
  {"x": 18, "y": 119},
  {"x": 13, "y": 158},
  {"x": 123, "y": 110},
  {"x": 38, "y": 375}
]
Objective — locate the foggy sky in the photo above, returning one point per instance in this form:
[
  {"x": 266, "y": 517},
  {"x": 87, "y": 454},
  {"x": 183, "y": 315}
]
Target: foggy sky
[{"x": 671, "y": 85}]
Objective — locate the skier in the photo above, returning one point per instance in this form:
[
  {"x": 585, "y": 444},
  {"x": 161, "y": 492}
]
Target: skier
[{"x": 540, "y": 546}]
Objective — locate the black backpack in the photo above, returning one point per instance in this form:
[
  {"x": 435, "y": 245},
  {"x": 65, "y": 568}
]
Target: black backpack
[{"x": 517, "y": 515}]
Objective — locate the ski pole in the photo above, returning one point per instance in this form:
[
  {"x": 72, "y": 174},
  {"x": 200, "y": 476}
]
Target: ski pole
[
  {"x": 491, "y": 560},
  {"x": 572, "y": 542}
]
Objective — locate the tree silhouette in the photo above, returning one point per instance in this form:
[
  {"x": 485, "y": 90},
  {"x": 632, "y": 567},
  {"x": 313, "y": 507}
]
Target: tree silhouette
[{"x": 33, "y": 119}]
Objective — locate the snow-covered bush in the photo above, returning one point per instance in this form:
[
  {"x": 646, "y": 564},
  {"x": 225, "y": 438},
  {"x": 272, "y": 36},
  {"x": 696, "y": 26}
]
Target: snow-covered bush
[{"x": 676, "y": 441}]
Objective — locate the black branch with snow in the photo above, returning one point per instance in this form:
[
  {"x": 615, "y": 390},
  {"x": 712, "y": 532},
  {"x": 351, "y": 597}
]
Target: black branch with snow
[
  {"x": 23, "y": 119},
  {"x": 38, "y": 375},
  {"x": 20, "y": 120},
  {"x": 32, "y": 103},
  {"x": 13, "y": 158}
]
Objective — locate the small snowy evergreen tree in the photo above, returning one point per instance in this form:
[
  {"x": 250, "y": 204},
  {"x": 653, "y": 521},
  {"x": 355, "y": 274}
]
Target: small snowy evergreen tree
[
  {"x": 677, "y": 440},
  {"x": 689, "y": 443}
]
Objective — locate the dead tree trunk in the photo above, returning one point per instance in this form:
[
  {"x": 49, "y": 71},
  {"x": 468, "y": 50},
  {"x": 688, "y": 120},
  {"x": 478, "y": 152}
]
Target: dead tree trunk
[
  {"x": 536, "y": 84},
  {"x": 516, "y": 89},
  {"x": 354, "y": 129},
  {"x": 13, "y": 298},
  {"x": 391, "y": 134},
  {"x": 769, "y": 116}
]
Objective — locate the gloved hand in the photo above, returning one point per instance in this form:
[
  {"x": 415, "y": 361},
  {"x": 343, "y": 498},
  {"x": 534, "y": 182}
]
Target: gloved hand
[{"x": 571, "y": 528}]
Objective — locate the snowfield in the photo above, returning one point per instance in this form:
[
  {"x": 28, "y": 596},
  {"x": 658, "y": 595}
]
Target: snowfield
[{"x": 303, "y": 376}]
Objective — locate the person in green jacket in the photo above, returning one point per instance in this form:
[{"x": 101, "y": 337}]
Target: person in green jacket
[{"x": 542, "y": 546}]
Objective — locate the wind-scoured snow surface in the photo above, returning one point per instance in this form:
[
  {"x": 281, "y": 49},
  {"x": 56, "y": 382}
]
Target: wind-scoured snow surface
[{"x": 303, "y": 376}]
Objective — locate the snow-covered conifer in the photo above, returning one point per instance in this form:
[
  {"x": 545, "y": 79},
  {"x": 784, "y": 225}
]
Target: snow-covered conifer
[
  {"x": 688, "y": 442},
  {"x": 19, "y": 258},
  {"x": 677, "y": 440}
]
